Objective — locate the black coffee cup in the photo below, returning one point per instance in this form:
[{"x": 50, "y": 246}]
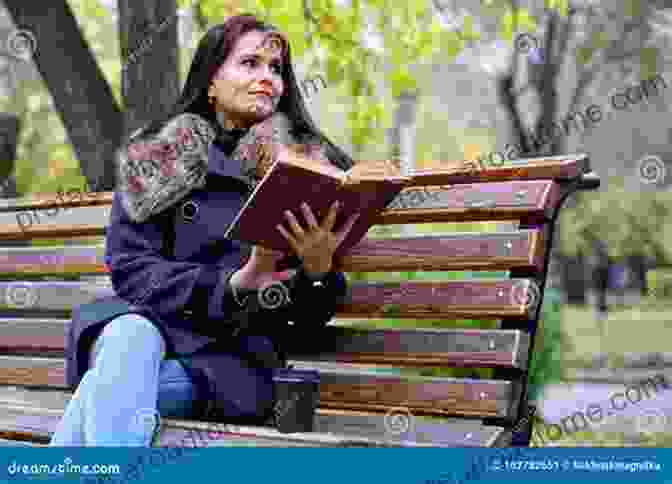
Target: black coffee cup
[{"x": 296, "y": 398}]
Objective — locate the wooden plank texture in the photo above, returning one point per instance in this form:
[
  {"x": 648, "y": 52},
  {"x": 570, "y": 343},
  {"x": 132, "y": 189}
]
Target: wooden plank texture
[
  {"x": 494, "y": 201},
  {"x": 500, "y": 251},
  {"x": 414, "y": 347},
  {"x": 513, "y": 298},
  {"x": 477, "y": 202},
  {"x": 347, "y": 389},
  {"x": 33, "y": 414},
  {"x": 563, "y": 167},
  {"x": 426, "y": 347},
  {"x": 504, "y": 251},
  {"x": 451, "y": 172}
]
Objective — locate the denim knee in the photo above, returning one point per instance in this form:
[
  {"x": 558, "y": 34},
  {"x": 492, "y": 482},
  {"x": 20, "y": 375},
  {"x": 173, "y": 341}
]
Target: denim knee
[{"x": 134, "y": 333}]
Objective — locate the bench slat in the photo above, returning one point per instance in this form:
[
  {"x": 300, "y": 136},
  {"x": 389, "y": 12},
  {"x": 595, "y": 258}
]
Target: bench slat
[
  {"x": 427, "y": 347},
  {"x": 354, "y": 388},
  {"x": 494, "y": 201},
  {"x": 450, "y": 172},
  {"x": 522, "y": 250},
  {"x": 503, "y": 298},
  {"x": 469, "y": 251},
  {"x": 441, "y": 347},
  {"x": 412, "y": 347},
  {"x": 348, "y": 389},
  {"x": 540, "y": 168},
  {"x": 33, "y": 414},
  {"x": 17, "y": 443}
]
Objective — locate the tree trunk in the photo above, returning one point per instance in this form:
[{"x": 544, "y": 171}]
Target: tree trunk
[
  {"x": 10, "y": 126},
  {"x": 405, "y": 141},
  {"x": 9, "y": 133},
  {"x": 81, "y": 94},
  {"x": 150, "y": 59},
  {"x": 93, "y": 121}
]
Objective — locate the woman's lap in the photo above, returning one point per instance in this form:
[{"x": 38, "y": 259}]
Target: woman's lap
[{"x": 177, "y": 391}]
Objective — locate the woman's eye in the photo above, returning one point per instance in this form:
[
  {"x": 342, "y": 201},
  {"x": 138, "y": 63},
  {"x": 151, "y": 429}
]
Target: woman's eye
[{"x": 250, "y": 62}]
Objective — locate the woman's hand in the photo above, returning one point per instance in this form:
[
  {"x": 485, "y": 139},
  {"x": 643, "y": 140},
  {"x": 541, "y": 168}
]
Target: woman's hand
[
  {"x": 265, "y": 260},
  {"x": 260, "y": 268},
  {"x": 315, "y": 246}
]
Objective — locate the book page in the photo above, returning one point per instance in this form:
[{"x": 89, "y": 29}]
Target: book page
[{"x": 373, "y": 170}]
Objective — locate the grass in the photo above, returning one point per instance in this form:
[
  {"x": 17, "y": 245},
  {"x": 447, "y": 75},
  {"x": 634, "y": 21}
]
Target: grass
[
  {"x": 645, "y": 328},
  {"x": 642, "y": 329},
  {"x": 606, "y": 439}
]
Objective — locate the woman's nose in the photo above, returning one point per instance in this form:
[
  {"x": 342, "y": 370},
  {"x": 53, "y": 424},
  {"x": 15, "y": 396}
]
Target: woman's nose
[{"x": 267, "y": 74}]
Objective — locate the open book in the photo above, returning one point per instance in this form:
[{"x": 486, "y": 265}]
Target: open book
[{"x": 368, "y": 187}]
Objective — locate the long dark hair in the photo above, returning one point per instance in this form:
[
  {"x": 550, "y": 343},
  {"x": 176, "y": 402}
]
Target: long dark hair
[{"x": 212, "y": 52}]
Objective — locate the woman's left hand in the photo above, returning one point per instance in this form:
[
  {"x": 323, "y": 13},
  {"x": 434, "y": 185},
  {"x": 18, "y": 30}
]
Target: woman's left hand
[{"x": 315, "y": 246}]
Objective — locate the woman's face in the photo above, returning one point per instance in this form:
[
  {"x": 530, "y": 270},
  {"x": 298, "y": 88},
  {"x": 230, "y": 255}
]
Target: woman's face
[{"x": 248, "y": 85}]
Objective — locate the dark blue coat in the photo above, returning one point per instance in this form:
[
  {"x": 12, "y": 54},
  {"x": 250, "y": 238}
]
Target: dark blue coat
[{"x": 183, "y": 285}]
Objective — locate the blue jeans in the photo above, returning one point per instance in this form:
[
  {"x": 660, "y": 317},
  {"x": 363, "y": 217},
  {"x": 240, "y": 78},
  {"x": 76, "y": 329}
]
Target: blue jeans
[{"x": 128, "y": 382}]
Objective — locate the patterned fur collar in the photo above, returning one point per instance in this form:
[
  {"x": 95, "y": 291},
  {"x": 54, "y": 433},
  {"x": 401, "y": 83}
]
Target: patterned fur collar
[{"x": 158, "y": 172}]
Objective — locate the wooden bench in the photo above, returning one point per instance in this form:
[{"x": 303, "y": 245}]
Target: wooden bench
[{"x": 360, "y": 404}]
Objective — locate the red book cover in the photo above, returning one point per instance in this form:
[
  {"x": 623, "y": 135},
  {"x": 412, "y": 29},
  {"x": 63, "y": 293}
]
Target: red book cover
[{"x": 367, "y": 188}]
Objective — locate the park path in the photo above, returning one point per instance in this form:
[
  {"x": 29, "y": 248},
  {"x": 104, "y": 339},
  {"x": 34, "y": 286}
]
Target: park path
[{"x": 645, "y": 408}]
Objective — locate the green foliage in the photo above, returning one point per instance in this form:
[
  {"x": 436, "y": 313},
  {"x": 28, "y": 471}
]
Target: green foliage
[
  {"x": 518, "y": 19},
  {"x": 659, "y": 282},
  {"x": 545, "y": 366},
  {"x": 561, "y": 5},
  {"x": 412, "y": 37},
  {"x": 631, "y": 223}
]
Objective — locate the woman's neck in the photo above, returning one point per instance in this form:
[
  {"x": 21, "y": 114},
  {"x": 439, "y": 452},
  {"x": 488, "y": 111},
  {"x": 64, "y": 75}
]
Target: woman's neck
[{"x": 228, "y": 124}]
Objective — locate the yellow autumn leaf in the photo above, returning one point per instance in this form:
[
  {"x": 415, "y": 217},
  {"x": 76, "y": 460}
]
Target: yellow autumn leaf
[{"x": 471, "y": 151}]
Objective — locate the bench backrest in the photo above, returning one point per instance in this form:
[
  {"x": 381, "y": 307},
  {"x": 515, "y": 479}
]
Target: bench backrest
[{"x": 40, "y": 285}]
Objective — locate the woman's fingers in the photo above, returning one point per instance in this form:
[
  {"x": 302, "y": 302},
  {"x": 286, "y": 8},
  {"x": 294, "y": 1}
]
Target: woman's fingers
[
  {"x": 330, "y": 220},
  {"x": 347, "y": 227},
  {"x": 310, "y": 218},
  {"x": 294, "y": 224},
  {"x": 290, "y": 239}
]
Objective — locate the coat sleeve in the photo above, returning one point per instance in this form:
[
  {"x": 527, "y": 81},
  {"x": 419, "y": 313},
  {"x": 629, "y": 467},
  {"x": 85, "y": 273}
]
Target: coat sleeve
[
  {"x": 171, "y": 289},
  {"x": 312, "y": 307}
]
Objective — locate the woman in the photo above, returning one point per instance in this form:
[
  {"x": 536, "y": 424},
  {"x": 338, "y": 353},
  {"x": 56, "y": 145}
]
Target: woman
[{"x": 197, "y": 341}]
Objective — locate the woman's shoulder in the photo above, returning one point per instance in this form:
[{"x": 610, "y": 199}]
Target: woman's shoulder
[{"x": 159, "y": 170}]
